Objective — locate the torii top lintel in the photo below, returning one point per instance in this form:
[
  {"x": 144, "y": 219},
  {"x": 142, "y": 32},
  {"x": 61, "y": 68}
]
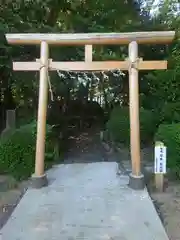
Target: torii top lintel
[{"x": 157, "y": 37}]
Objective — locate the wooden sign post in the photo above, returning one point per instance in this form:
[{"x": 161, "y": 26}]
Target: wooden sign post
[
  {"x": 159, "y": 165},
  {"x": 133, "y": 64}
]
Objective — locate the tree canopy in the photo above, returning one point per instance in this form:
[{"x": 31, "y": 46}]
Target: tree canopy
[{"x": 89, "y": 16}]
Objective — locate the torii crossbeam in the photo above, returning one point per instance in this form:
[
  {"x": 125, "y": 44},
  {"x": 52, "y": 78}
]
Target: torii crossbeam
[
  {"x": 133, "y": 64},
  {"x": 94, "y": 66}
]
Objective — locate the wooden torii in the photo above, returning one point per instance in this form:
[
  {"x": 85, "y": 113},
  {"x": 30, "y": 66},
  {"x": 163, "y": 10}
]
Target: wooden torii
[{"x": 133, "y": 64}]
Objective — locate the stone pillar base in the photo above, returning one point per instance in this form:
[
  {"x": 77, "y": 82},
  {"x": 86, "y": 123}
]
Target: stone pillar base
[
  {"x": 39, "y": 181},
  {"x": 136, "y": 182}
]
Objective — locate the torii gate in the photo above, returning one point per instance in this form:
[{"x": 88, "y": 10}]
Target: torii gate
[{"x": 133, "y": 64}]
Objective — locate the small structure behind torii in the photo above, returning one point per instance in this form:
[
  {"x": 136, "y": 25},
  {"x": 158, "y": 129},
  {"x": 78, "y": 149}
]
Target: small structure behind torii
[{"x": 133, "y": 64}]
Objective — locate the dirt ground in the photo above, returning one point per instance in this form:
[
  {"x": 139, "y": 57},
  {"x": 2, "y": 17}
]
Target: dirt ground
[
  {"x": 9, "y": 199},
  {"x": 168, "y": 207}
]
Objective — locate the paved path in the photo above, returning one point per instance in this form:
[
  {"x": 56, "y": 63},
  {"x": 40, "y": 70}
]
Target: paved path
[{"x": 84, "y": 201}]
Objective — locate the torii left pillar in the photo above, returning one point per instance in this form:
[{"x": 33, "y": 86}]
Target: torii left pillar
[
  {"x": 136, "y": 178},
  {"x": 39, "y": 178}
]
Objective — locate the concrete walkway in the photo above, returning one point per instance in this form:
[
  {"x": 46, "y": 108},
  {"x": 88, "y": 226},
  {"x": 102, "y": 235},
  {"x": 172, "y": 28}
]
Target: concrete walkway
[{"x": 85, "y": 201}]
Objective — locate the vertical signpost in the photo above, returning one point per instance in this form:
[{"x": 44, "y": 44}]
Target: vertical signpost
[{"x": 159, "y": 165}]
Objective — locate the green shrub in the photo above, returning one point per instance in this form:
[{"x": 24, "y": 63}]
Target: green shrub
[
  {"x": 119, "y": 126},
  {"x": 169, "y": 134},
  {"x": 170, "y": 113},
  {"x": 17, "y": 151},
  {"x": 24, "y": 115}
]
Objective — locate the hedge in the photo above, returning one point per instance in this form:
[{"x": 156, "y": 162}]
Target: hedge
[
  {"x": 119, "y": 127},
  {"x": 17, "y": 151},
  {"x": 170, "y": 113},
  {"x": 169, "y": 134}
]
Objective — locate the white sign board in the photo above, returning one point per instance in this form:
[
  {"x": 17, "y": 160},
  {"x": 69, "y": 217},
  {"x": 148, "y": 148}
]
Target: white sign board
[{"x": 160, "y": 158}]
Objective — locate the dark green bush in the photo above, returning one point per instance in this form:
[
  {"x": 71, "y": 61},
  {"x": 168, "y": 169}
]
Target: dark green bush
[
  {"x": 24, "y": 115},
  {"x": 119, "y": 126},
  {"x": 17, "y": 151},
  {"x": 170, "y": 113},
  {"x": 169, "y": 134}
]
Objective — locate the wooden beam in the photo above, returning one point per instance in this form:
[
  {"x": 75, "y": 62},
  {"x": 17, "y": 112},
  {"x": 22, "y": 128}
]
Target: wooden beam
[
  {"x": 91, "y": 38},
  {"x": 42, "y": 110},
  {"x": 26, "y": 66},
  {"x": 89, "y": 66},
  {"x": 134, "y": 111},
  {"x": 88, "y": 53}
]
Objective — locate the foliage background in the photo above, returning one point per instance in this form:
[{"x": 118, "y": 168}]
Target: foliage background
[{"x": 89, "y": 16}]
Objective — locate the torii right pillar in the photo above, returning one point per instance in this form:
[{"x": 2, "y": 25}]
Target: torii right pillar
[{"x": 136, "y": 178}]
